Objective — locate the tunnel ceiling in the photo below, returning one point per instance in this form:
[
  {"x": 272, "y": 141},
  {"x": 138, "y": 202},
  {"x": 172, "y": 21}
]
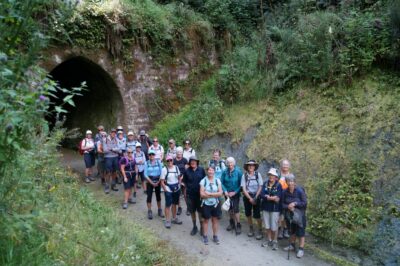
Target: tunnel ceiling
[{"x": 101, "y": 102}]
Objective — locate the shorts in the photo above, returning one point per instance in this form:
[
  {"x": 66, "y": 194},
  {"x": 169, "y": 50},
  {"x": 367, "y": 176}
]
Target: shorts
[
  {"x": 90, "y": 159},
  {"x": 252, "y": 209},
  {"x": 112, "y": 164},
  {"x": 294, "y": 229},
  {"x": 172, "y": 198},
  {"x": 211, "y": 211},
  {"x": 193, "y": 204},
  {"x": 271, "y": 220},
  {"x": 141, "y": 175},
  {"x": 101, "y": 163},
  {"x": 131, "y": 180},
  {"x": 235, "y": 203}
]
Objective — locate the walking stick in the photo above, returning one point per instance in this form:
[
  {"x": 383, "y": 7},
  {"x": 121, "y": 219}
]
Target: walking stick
[{"x": 290, "y": 230}]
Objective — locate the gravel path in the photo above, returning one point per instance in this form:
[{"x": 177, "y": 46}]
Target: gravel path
[{"x": 233, "y": 250}]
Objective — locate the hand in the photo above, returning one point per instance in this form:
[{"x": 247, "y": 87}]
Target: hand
[
  {"x": 125, "y": 180},
  {"x": 227, "y": 194},
  {"x": 251, "y": 200},
  {"x": 231, "y": 194}
]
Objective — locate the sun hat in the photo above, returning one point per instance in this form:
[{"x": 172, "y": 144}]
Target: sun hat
[
  {"x": 130, "y": 133},
  {"x": 103, "y": 133},
  {"x": 187, "y": 141},
  {"x": 138, "y": 144},
  {"x": 100, "y": 127},
  {"x": 120, "y": 128},
  {"x": 142, "y": 133},
  {"x": 169, "y": 157},
  {"x": 272, "y": 171},
  {"x": 88, "y": 132},
  {"x": 250, "y": 162},
  {"x": 120, "y": 132},
  {"x": 171, "y": 141},
  {"x": 152, "y": 152},
  {"x": 113, "y": 130},
  {"x": 193, "y": 158}
]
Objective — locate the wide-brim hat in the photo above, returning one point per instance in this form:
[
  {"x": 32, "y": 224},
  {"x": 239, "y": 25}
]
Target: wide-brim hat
[
  {"x": 130, "y": 133},
  {"x": 138, "y": 145},
  {"x": 193, "y": 158},
  {"x": 88, "y": 132},
  {"x": 152, "y": 152},
  {"x": 272, "y": 171},
  {"x": 142, "y": 133},
  {"x": 250, "y": 162}
]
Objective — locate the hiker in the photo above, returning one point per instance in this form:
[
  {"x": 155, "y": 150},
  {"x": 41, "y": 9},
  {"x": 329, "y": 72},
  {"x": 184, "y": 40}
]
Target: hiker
[
  {"x": 140, "y": 159},
  {"x": 87, "y": 146},
  {"x": 231, "y": 179},
  {"x": 210, "y": 191},
  {"x": 152, "y": 173},
  {"x": 283, "y": 174},
  {"x": 251, "y": 185},
  {"x": 170, "y": 181},
  {"x": 144, "y": 142},
  {"x": 192, "y": 177},
  {"x": 171, "y": 149},
  {"x": 131, "y": 141},
  {"x": 101, "y": 165},
  {"x": 111, "y": 151},
  {"x": 158, "y": 149},
  {"x": 271, "y": 195},
  {"x": 188, "y": 151},
  {"x": 97, "y": 138},
  {"x": 218, "y": 164},
  {"x": 129, "y": 171},
  {"x": 294, "y": 202},
  {"x": 182, "y": 164},
  {"x": 121, "y": 143}
]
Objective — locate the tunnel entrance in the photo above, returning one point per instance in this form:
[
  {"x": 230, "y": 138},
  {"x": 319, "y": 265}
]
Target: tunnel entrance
[{"x": 101, "y": 102}]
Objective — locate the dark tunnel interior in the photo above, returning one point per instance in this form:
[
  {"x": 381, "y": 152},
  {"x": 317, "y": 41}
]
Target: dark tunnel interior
[{"x": 101, "y": 102}]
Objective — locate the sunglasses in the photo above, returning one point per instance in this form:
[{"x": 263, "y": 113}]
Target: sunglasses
[
  {"x": 169, "y": 160},
  {"x": 151, "y": 154},
  {"x": 187, "y": 143},
  {"x": 155, "y": 140},
  {"x": 170, "y": 142},
  {"x": 130, "y": 152}
]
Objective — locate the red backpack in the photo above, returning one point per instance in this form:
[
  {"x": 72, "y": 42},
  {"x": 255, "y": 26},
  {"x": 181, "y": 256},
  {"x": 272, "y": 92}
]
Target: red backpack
[{"x": 81, "y": 152}]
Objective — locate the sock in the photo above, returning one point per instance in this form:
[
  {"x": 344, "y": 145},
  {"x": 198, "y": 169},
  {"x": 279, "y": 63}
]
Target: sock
[
  {"x": 301, "y": 248},
  {"x": 194, "y": 223}
]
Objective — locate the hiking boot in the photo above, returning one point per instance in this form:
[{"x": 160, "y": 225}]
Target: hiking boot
[
  {"x": 167, "y": 224},
  {"x": 149, "y": 214},
  {"x": 205, "y": 240},
  {"x": 132, "y": 200},
  {"x": 286, "y": 233},
  {"x": 92, "y": 178},
  {"x": 125, "y": 205},
  {"x": 179, "y": 211},
  {"x": 290, "y": 247},
  {"x": 259, "y": 235},
  {"x": 187, "y": 213},
  {"x": 160, "y": 213},
  {"x": 300, "y": 253},
  {"x": 267, "y": 244},
  {"x": 134, "y": 194},
  {"x": 280, "y": 233},
  {"x": 138, "y": 186},
  {"x": 176, "y": 221},
  {"x": 238, "y": 229},
  {"x": 251, "y": 232},
  {"x": 106, "y": 189},
  {"x": 231, "y": 225},
  {"x": 103, "y": 180},
  {"x": 194, "y": 231},
  {"x": 114, "y": 188},
  {"x": 216, "y": 240},
  {"x": 275, "y": 245},
  {"x": 87, "y": 180}
]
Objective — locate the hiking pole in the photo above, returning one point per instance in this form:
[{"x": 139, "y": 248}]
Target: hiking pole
[{"x": 289, "y": 246}]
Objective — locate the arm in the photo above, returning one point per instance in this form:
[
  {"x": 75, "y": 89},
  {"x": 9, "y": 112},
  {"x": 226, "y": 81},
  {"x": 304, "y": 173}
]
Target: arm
[
  {"x": 284, "y": 204},
  {"x": 302, "y": 204},
  {"x": 162, "y": 153},
  {"x": 243, "y": 184},
  {"x": 203, "y": 193},
  {"x": 122, "y": 168}
]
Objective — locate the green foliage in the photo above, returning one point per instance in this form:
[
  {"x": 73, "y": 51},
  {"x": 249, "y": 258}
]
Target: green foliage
[{"x": 194, "y": 121}]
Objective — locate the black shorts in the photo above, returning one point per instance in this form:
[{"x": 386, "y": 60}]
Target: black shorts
[
  {"x": 171, "y": 198},
  {"x": 294, "y": 229},
  {"x": 235, "y": 203},
  {"x": 131, "y": 180},
  {"x": 252, "y": 209},
  {"x": 112, "y": 164},
  {"x": 89, "y": 159},
  {"x": 141, "y": 175},
  {"x": 193, "y": 204},
  {"x": 211, "y": 211}
]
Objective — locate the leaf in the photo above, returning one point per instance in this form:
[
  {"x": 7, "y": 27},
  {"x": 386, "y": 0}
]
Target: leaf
[{"x": 60, "y": 110}]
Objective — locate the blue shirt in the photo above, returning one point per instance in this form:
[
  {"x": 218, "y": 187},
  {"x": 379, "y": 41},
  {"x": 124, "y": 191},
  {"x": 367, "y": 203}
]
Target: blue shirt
[
  {"x": 274, "y": 190},
  {"x": 152, "y": 169},
  {"x": 298, "y": 196},
  {"x": 231, "y": 180},
  {"x": 210, "y": 187},
  {"x": 218, "y": 166}
]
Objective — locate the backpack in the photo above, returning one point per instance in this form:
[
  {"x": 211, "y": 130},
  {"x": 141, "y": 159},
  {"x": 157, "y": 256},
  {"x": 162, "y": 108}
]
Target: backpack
[
  {"x": 246, "y": 178},
  {"x": 81, "y": 152},
  {"x": 205, "y": 185},
  {"x": 129, "y": 162},
  {"x": 176, "y": 172}
]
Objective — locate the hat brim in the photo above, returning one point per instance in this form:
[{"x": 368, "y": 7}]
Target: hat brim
[
  {"x": 197, "y": 160},
  {"x": 246, "y": 166}
]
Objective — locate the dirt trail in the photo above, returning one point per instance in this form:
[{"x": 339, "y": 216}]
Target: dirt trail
[{"x": 233, "y": 250}]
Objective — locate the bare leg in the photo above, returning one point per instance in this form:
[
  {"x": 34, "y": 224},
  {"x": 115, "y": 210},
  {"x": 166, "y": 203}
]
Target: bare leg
[
  {"x": 173, "y": 211},
  {"x": 302, "y": 241},
  {"x": 167, "y": 211},
  {"x": 127, "y": 194},
  {"x": 215, "y": 225},
  {"x": 205, "y": 227}
]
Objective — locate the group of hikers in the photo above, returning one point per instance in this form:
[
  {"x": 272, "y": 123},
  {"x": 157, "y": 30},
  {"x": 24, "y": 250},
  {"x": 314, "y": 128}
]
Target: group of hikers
[{"x": 278, "y": 202}]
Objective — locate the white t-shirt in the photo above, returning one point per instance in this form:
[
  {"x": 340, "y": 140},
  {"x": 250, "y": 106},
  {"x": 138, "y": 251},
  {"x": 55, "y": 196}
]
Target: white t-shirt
[
  {"x": 173, "y": 175},
  {"x": 159, "y": 151},
  {"x": 172, "y": 152},
  {"x": 188, "y": 153},
  {"x": 87, "y": 143},
  {"x": 251, "y": 185}
]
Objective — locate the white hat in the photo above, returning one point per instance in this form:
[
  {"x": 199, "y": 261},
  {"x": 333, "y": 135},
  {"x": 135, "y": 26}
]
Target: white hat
[
  {"x": 120, "y": 128},
  {"x": 138, "y": 144},
  {"x": 88, "y": 132},
  {"x": 130, "y": 133},
  {"x": 272, "y": 171},
  {"x": 120, "y": 132}
]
